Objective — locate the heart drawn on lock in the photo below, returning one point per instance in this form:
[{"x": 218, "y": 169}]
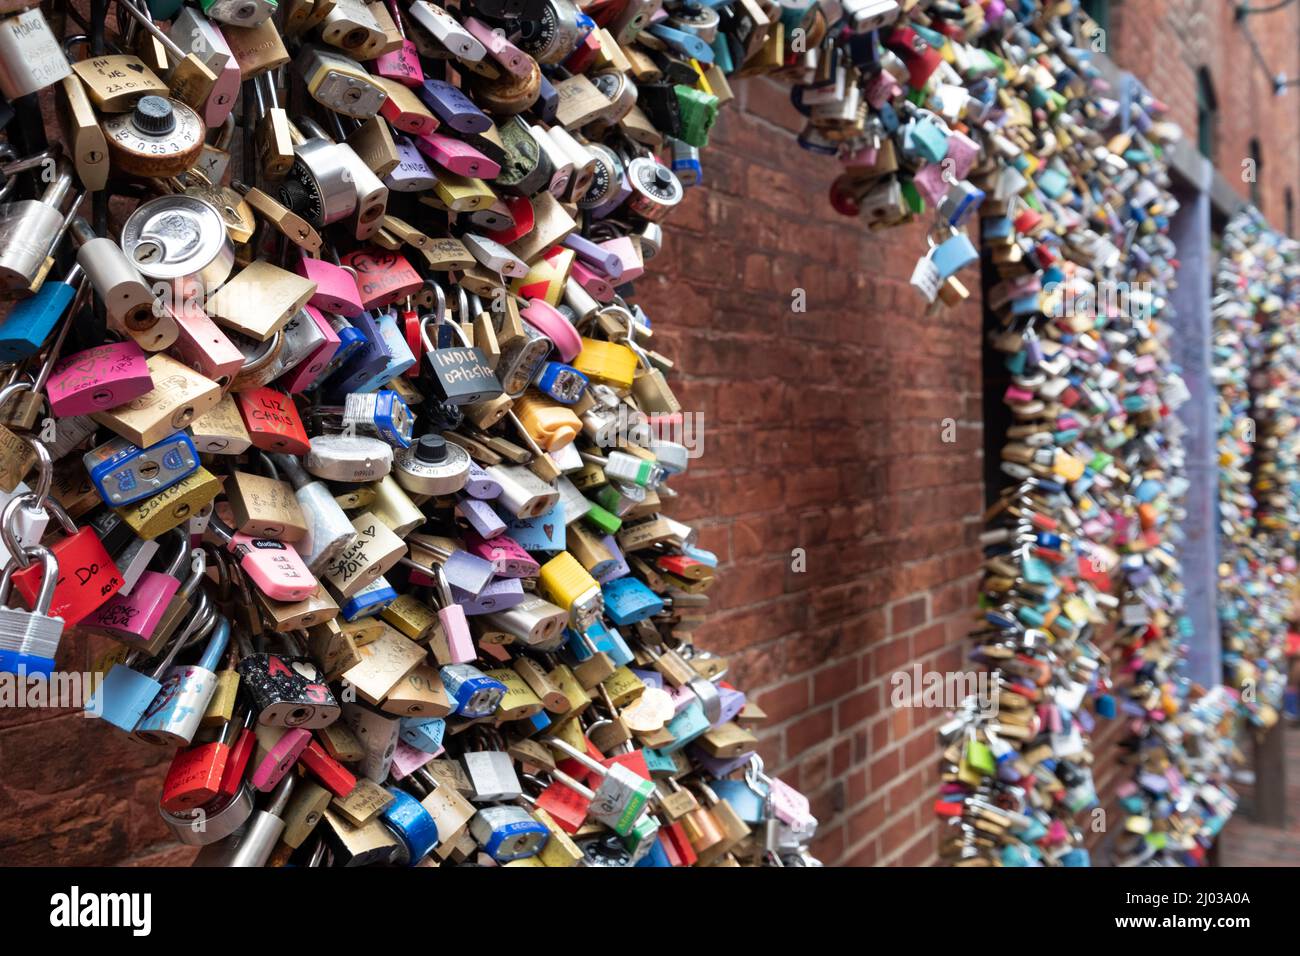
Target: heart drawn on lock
[{"x": 549, "y": 530}]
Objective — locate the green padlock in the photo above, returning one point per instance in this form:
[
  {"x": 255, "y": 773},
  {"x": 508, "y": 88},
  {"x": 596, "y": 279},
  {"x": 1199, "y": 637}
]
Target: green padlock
[{"x": 698, "y": 111}]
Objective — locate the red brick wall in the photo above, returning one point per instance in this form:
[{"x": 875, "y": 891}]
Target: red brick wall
[
  {"x": 1164, "y": 42},
  {"x": 823, "y": 431}
]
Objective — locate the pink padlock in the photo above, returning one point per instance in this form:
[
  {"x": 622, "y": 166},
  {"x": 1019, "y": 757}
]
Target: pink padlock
[
  {"x": 457, "y": 156},
  {"x": 102, "y": 377},
  {"x": 508, "y": 557},
  {"x": 301, "y": 376},
  {"x": 336, "y": 287},
  {"x": 515, "y": 60},
  {"x": 628, "y": 251},
  {"x": 455, "y": 626},
  {"x": 403, "y": 64},
  {"x": 203, "y": 346},
  {"x": 273, "y": 762},
  {"x": 596, "y": 284},
  {"x": 132, "y": 618}
]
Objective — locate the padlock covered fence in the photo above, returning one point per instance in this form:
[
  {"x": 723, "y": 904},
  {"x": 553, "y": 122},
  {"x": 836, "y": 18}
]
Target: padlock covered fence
[{"x": 845, "y": 436}]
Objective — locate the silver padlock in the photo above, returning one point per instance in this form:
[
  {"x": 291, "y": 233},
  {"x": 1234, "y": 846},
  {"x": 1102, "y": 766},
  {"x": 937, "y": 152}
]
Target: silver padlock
[
  {"x": 31, "y": 58},
  {"x": 32, "y": 228}
]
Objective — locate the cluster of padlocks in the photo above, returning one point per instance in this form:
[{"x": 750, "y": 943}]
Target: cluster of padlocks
[
  {"x": 1256, "y": 315},
  {"x": 344, "y": 436},
  {"x": 1081, "y": 572}
]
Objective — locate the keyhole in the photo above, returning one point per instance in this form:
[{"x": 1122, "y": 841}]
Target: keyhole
[
  {"x": 149, "y": 470},
  {"x": 148, "y": 251},
  {"x": 102, "y": 397}
]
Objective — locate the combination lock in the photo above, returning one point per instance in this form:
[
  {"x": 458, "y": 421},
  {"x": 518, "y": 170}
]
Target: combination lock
[
  {"x": 655, "y": 190},
  {"x": 160, "y": 137}
]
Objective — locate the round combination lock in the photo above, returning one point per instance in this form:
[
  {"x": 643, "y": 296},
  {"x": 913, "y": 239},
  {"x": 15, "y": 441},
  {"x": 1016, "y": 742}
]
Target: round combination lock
[
  {"x": 177, "y": 238},
  {"x": 697, "y": 21},
  {"x": 318, "y": 187},
  {"x": 160, "y": 137},
  {"x": 432, "y": 466},
  {"x": 607, "y": 181},
  {"x": 508, "y": 95},
  {"x": 554, "y": 35},
  {"x": 655, "y": 189},
  {"x": 619, "y": 90}
]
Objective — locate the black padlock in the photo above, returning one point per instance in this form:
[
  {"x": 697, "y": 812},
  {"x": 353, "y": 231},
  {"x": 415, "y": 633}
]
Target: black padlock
[
  {"x": 461, "y": 374},
  {"x": 286, "y": 690}
]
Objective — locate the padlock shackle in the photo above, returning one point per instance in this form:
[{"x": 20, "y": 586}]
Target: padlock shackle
[
  {"x": 217, "y": 644},
  {"x": 49, "y": 576}
]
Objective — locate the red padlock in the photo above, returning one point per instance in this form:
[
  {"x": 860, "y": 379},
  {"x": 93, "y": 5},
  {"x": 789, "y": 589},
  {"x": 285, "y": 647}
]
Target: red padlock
[
  {"x": 334, "y": 777},
  {"x": 196, "y": 772},
  {"x": 383, "y": 277},
  {"x": 566, "y": 806},
  {"x": 88, "y": 576},
  {"x": 273, "y": 421},
  {"x": 241, "y": 752}
]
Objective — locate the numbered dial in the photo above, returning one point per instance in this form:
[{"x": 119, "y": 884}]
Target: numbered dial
[
  {"x": 655, "y": 190},
  {"x": 555, "y": 34},
  {"x": 606, "y": 179},
  {"x": 161, "y": 137},
  {"x": 319, "y": 185}
]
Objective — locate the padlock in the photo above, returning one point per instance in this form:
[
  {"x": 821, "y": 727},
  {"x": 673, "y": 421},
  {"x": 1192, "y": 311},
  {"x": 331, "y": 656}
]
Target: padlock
[
  {"x": 88, "y": 577},
  {"x": 338, "y": 82},
  {"x": 102, "y": 377},
  {"x": 287, "y": 690},
  {"x": 124, "y": 474},
  {"x": 328, "y": 530},
  {"x": 29, "y": 641},
  {"x": 174, "y": 714},
  {"x": 178, "y": 396},
  {"x": 134, "y": 618},
  {"x": 273, "y": 422},
  {"x": 124, "y": 694},
  {"x": 35, "y": 227},
  {"x": 273, "y": 566},
  {"x": 265, "y": 507}
]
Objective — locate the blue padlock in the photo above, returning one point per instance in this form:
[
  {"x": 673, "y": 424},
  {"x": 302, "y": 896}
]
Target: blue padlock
[
  {"x": 124, "y": 473},
  {"x": 563, "y": 383},
  {"x": 544, "y": 533},
  {"x": 423, "y": 733},
  {"x": 364, "y": 371},
  {"x": 413, "y": 826},
  {"x": 369, "y": 601},
  {"x": 628, "y": 600},
  {"x": 954, "y": 254},
  {"x": 30, "y": 321},
  {"x": 475, "y": 694},
  {"x": 689, "y": 723},
  {"x": 749, "y": 805}
]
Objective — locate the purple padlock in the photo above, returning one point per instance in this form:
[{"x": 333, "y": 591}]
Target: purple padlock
[
  {"x": 596, "y": 256},
  {"x": 99, "y": 378},
  {"x": 499, "y": 595},
  {"x": 481, "y": 485},
  {"x": 619, "y": 568},
  {"x": 466, "y": 572},
  {"x": 453, "y": 107},
  {"x": 480, "y": 516},
  {"x": 411, "y": 174}
]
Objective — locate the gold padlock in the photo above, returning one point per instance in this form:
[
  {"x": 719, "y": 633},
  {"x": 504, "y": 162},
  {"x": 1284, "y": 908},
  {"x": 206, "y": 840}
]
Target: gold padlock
[
  {"x": 173, "y": 506},
  {"x": 179, "y": 395}
]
